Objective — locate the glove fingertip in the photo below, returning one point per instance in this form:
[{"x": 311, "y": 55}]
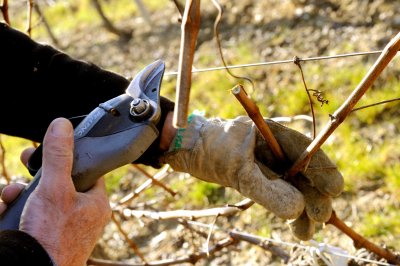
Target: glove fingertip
[
  {"x": 284, "y": 200},
  {"x": 335, "y": 185},
  {"x": 303, "y": 228},
  {"x": 319, "y": 209}
]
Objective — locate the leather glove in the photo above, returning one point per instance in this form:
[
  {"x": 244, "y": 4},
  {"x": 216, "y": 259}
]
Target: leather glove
[
  {"x": 233, "y": 154},
  {"x": 319, "y": 183}
]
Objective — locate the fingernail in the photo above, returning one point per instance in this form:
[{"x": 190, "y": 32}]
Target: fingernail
[{"x": 61, "y": 127}]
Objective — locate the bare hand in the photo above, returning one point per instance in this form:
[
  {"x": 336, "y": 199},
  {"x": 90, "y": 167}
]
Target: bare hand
[{"x": 65, "y": 222}]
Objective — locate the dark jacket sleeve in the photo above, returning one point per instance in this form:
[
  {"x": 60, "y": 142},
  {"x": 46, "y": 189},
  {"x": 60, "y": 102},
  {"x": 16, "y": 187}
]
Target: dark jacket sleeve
[
  {"x": 40, "y": 83},
  {"x": 19, "y": 248}
]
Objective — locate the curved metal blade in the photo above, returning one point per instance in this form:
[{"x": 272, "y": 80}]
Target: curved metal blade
[{"x": 142, "y": 80}]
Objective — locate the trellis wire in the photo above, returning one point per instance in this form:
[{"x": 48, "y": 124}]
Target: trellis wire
[
  {"x": 295, "y": 58},
  {"x": 277, "y": 62}
]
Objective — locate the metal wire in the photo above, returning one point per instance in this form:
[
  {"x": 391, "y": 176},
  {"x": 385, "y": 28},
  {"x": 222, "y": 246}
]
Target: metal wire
[
  {"x": 291, "y": 61},
  {"x": 288, "y": 61}
]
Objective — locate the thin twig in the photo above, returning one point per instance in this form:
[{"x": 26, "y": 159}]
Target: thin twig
[
  {"x": 179, "y": 6},
  {"x": 234, "y": 237},
  {"x": 296, "y": 61},
  {"x": 190, "y": 214},
  {"x": 4, "y": 11},
  {"x": 3, "y": 162},
  {"x": 192, "y": 258},
  {"x": 123, "y": 34},
  {"x": 144, "y": 12},
  {"x": 263, "y": 243},
  {"x": 148, "y": 183},
  {"x": 29, "y": 17},
  {"x": 189, "y": 30},
  {"x": 132, "y": 244},
  {"x": 374, "y": 104},
  {"x": 217, "y": 38},
  {"x": 189, "y": 225},
  {"x": 155, "y": 181},
  {"x": 46, "y": 24},
  {"x": 210, "y": 233},
  {"x": 360, "y": 242}
]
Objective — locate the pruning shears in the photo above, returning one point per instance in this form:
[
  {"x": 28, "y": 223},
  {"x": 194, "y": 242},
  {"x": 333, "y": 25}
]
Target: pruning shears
[{"x": 115, "y": 133}]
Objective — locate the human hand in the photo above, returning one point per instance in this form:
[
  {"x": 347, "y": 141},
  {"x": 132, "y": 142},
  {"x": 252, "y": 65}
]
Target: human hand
[
  {"x": 8, "y": 193},
  {"x": 233, "y": 154},
  {"x": 65, "y": 222}
]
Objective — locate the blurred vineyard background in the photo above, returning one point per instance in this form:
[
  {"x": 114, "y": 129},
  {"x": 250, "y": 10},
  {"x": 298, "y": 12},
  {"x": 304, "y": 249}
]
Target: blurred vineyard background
[{"x": 365, "y": 147}]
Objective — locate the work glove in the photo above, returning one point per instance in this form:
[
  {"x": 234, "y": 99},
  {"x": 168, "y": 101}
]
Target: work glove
[{"x": 232, "y": 153}]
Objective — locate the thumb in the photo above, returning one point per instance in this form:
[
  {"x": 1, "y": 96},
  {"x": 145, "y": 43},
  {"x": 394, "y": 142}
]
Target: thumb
[{"x": 57, "y": 157}]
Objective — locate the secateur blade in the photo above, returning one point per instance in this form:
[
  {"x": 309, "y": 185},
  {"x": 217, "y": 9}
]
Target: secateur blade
[{"x": 146, "y": 80}]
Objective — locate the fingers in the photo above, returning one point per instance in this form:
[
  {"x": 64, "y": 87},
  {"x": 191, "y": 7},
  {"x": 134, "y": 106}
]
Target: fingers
[
  {"x": 26, "y": 154},
  {"x": 8, "y": 194},
  {"x": 303, "y": 228},
  {"x": 328, "y": 181},
  {"x": 2, "y": 186},
  {"x": 320, "y": 182},
  {"x": 57, "y": 157},
  {"x": 277, "y": 196},
  {"x": 321, "y": 170},
  {"x": 318, "y": 205},
  {"x": 11, "y": 192}
]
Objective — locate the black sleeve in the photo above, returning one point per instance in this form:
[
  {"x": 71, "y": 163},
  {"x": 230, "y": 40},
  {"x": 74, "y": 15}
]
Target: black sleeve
[
  {"x": 39, "y": 83},
  {"x": 19, "y": 248}
]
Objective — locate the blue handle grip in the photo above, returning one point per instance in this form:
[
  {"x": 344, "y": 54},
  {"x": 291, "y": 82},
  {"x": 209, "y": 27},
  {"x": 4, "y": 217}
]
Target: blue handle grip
[{"x": 11, "y": 217}]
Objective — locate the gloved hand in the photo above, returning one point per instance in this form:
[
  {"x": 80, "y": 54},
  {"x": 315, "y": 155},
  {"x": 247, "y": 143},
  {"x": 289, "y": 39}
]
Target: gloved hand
[{"x": 233, "y": 154}]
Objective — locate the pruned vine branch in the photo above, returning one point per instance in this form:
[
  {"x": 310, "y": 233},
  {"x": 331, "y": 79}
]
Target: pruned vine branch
[
  {"x": 337, "y": 118},
  {"x": 341, "y": 113},
  {"x": 190, "y": 214}
]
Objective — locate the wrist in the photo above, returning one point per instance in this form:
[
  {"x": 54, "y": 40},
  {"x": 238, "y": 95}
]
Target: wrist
[
  {"x": 168, "y": 132},
  {"x": 20, "y": 248},
  {"x": 151, "y": 156}
]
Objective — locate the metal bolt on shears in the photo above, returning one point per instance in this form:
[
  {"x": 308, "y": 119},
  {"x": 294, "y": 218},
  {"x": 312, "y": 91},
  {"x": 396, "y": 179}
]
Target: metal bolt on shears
[{"x": 140, "y": 107}]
